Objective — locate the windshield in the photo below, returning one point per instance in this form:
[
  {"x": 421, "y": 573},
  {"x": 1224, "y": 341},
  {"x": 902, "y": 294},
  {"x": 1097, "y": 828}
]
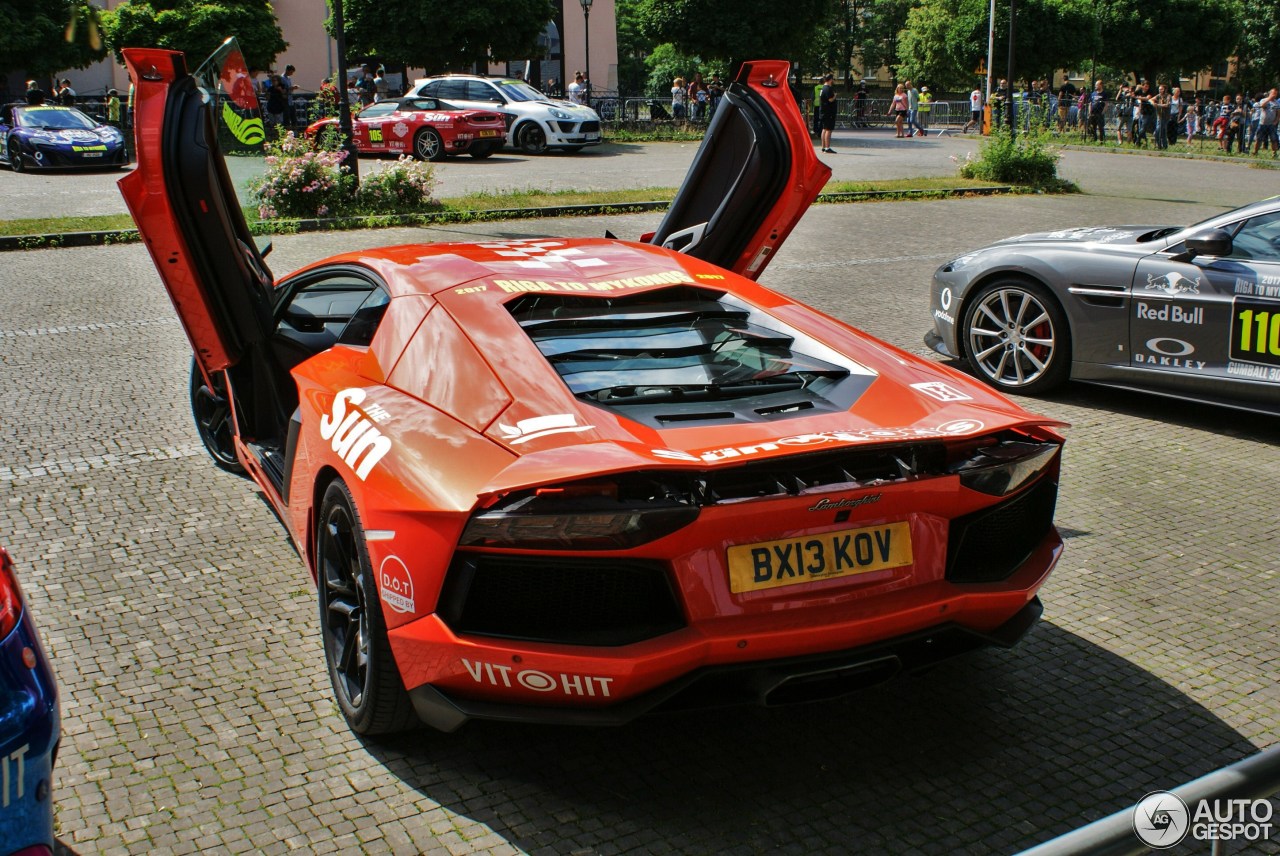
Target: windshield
[
  {"x": 518, "y": 90},
  {"x": 55, "y": 119}
]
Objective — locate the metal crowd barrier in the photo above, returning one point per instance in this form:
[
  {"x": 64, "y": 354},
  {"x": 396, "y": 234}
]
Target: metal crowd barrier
[{"x": 1256, "y": 777}]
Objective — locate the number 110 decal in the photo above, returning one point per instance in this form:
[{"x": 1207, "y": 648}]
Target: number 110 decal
[{"x": 1255, "y": 331}]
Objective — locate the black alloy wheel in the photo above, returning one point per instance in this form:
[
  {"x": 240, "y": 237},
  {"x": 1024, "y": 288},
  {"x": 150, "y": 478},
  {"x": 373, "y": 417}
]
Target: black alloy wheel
[
  {"x": 365, "y": 680},
  {"x": 15, "y": 157},
  {"x": 531, "y": 138},
  {"x": 211, "y": 409}
]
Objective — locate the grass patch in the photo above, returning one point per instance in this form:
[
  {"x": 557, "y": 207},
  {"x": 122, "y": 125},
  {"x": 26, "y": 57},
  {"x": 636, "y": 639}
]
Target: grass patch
[
  {"x": 900, "y": 184},
  {"x": 59, "y": 225},
  {"x": 657, "y": 132},
  {"x": 476, "y": 205},
  {"x": 487, "y": 201}
]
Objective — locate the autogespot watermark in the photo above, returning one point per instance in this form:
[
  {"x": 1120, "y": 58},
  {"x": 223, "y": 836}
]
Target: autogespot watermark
[{"x": 1162, "y": 820}]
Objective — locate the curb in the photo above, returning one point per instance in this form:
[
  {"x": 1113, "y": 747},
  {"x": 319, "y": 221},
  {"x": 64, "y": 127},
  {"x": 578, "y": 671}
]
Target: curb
[{"x": 284, "y": 227}]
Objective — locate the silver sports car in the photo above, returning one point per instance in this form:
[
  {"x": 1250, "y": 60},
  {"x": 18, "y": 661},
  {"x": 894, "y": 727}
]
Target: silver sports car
[{"x": 1191, "y": 312}]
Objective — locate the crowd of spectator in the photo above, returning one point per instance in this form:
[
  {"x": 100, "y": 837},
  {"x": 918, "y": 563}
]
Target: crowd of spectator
[{"x": 1142, "y": 115}]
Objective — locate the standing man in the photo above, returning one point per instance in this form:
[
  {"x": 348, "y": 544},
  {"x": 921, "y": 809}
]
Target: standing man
[
  {"x": 923, "y": 110},
  {"x": 827, "y": 116},
  {"x": 1124, "y": 113},
  {"x": 975, "y": 111},
  {"x": 1098, "y": 113},
  {"x": 1066, "y": 95},
  {"x": 1268, "y": 110},
  {"x": 578, "y": 89},
  {"x": 1161, "y": 103},
  {"x": 913, "y": 108}
]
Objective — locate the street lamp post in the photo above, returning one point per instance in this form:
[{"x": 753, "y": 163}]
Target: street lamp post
[{"x": 586, "y": 30}]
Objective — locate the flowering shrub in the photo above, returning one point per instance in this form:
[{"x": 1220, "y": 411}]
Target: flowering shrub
[
  {"x": 400, "y": 188},
  {"x": 301, "y": 180}
]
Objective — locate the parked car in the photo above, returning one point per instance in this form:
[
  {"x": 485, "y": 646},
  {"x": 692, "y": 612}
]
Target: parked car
[
  {"x": 535, "y": 122},
  {"x": 1191, "y": 312},
  {"x": 29, "y": 725},
  {"x": 51, "y": 136},
  {"x": 427, "y": 128},
  {"x": 578, "y": 480}
]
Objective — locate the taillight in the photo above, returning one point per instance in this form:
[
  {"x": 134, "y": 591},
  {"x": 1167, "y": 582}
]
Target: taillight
[
  {"x": 1006, "y": 466},
  {"x": 10, "y": 596},
  {"x": 582, "y": 516}
]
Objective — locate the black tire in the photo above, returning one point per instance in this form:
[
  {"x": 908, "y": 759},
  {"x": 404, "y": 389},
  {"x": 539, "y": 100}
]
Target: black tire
[
  {"x": 211, "y": 410},
  {"x": 366, "y": 683},
  {"x": 15, "y": 157},
  {"x": 531, "y": 139},
  {"x": 1015, "y": 336},
  {"x": 480, "y": 151},
  {"x": 428, "y": 146}
]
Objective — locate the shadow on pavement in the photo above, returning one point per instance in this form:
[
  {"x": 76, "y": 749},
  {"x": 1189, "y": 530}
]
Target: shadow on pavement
[{"x": 991, "y": 753}]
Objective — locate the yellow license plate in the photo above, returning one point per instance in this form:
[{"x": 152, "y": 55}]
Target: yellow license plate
[
  {"x": 846, "y": 553},
  {"x": 488, "y": 133}
]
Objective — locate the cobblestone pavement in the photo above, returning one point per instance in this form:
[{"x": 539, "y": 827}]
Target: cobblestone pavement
[{"x": 197, "y": 711}]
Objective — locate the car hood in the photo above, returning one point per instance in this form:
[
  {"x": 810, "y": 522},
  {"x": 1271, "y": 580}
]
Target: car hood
[{"x": 1096, "y": 235}]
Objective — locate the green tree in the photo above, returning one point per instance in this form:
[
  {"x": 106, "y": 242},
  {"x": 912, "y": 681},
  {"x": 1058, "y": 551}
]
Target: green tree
[
  {"x": 944, "y": 40},
  {"x": 1259, "y": 50},
  {"x": 633, "y": 48},
  {"x": 880, "y": 24},
  {"x": 667, "y": 62},
  {"x": 41, "y": 37},
  {"x": 197, "y": 28},
  {"x": 733, "y": 30},
  {"x": 446, "y": 34},
  {"x": 1161, "y": 40}
]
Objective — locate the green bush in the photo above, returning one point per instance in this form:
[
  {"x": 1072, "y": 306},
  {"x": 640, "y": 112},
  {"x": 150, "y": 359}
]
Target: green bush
[{"x": 1027, "y": 159}]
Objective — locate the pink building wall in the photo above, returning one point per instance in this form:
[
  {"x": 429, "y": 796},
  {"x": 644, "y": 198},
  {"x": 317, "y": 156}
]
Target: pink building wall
[{"x": 312, "y": 51}]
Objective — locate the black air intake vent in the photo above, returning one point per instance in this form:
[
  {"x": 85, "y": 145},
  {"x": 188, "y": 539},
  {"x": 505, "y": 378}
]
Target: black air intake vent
[
  {"x": 553, "y": 599},
  {"x": 990, "y": 545}
]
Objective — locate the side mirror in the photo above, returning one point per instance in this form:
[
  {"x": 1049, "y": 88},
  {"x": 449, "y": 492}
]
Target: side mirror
[{"x": 1215, "y": 242}]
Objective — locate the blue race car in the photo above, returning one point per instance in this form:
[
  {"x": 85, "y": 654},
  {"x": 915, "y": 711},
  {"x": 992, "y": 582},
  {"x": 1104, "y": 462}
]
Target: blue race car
[
  {"x": 47, "y": 135},
  {"x": 29, "y": 726}
]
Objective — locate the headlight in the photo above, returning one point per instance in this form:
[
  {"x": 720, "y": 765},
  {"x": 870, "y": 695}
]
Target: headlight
[
  {"x": 1004, "y": 467},
  {"x": 112, "y": 135},
  {"x": 559, "y": 114},
  {"x": 581, "y": 516},
  {"x": 960, "y": 263},
  {"x": 42, "y": 137}
]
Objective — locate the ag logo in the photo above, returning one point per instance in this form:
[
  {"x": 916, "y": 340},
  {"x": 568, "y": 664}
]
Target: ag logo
[{"x": 1161, "y": 820}]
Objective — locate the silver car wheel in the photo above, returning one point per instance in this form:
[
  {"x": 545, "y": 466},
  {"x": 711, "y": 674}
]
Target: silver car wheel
[{"x": 1013, "y": 338}]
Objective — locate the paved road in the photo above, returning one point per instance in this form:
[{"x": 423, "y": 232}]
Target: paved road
[
  {"x": 861, "y": 156},
  {"x": 197, "y": 709}
]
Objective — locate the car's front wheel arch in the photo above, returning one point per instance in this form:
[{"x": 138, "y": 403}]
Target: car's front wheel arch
[{"x": 1014, "y": 334}]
